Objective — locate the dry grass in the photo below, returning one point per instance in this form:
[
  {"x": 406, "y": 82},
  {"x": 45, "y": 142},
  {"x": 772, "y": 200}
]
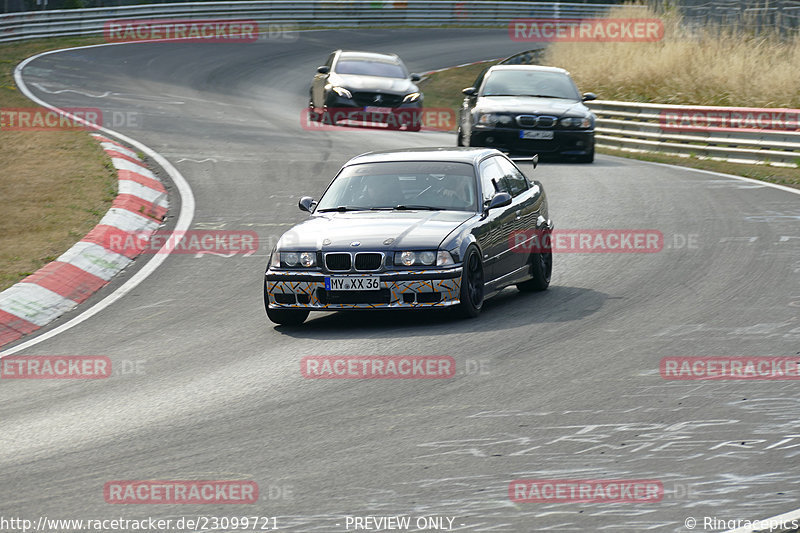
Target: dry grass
[
  {"x": 54, "y": 186},
  {"x": 700, "y": 66}
]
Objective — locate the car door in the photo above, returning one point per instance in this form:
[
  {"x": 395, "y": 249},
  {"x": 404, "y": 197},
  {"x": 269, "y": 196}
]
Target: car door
[
  {"x": 319, "y": 82},
  {"x": 526, "y": 204},
  {"x": 495, "y": 231}
]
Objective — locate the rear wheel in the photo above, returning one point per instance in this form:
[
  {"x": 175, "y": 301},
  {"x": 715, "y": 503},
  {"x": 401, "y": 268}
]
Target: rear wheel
[
  {"x": 541, "y": 270},
  {"x": 471, "y": 284}
]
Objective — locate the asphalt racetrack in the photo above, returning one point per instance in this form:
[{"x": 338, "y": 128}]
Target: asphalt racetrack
[{"x": 557, "y": 385}]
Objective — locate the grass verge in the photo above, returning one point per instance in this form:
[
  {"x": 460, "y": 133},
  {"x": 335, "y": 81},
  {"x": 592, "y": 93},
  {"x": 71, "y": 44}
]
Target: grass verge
[{"x": 54, "y": 185}]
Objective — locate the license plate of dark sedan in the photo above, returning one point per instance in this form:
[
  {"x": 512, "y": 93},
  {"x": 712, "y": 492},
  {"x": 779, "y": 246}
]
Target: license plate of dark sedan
[
  {"x": 536, "y": 135},
  {"x": 352, "y": 284},
  {"x": 380, "y": 110}
]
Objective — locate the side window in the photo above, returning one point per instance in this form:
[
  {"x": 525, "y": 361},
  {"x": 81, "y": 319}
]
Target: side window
[
  {"x": 329, "y": 62},
  {"x": 491, "y": 179},
  {"x": 515, "y": 179}
]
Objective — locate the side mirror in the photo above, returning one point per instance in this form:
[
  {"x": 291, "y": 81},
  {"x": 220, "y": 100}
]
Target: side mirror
[
  {"x": 306, "y": 203},
  {"x": 415, "y": 77},
  {"x": 324, "y": 69},
  {"x": 589, "y": 96},
  {"x": 469, "y": 91},
  {"x": 500, "y": 199}
]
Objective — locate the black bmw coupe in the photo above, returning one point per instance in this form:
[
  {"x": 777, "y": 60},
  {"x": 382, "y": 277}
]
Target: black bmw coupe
[{"x": 417, "y": 228}]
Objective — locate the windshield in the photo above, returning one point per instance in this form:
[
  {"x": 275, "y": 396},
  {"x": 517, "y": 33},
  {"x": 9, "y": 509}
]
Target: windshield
[
  {"x": 530, "y": 83},
  {"x": 363, "y": 67},
  {"x": 403, "y": 185}
]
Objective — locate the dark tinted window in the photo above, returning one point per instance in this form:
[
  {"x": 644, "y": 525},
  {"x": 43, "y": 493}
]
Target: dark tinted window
[
  {"x": 434, "y": 184},
  {"x": 530, "y": 83},
  {"x": 514, "y": 178},
  {"x": 363, "y": 67},
  {"x": 491, "y": 179}
]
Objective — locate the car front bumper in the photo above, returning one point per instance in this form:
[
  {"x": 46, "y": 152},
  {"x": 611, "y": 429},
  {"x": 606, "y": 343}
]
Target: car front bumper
[
  {"x": 398, "y": 290},
  {"x": 564, "y": 142}
]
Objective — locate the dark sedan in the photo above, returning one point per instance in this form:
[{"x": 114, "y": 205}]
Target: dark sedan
[
  {"x": 421, "y": 228},
  {"x": 375, "y": 85},
  {"x": 528, "y": 109}
]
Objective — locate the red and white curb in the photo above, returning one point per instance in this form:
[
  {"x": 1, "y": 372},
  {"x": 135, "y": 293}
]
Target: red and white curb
[{"x": 54, "y": 289}]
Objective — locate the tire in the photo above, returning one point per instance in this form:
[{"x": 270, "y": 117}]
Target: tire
[
  {"x": 459, "y": 137},
  {"x": 471, "y": 295},
  {"x": 541, "y": 271},
  {"x": 285, "y": 317}
]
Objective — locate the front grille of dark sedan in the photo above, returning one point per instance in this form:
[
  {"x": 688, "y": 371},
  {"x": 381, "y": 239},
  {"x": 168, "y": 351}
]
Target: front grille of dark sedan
[
  {"x": 369, "y": 261},
  {"x": 383, "y": 100},
  {"x": 341, "y": 262},
  {"x": 536, "y": 121},
  {"x": 382, "y": 296}
]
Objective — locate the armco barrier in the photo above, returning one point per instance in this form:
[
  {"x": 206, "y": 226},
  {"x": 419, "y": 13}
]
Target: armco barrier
[
  {"x": 304, "y": 13},
  {"x": 739, "y": 135}
]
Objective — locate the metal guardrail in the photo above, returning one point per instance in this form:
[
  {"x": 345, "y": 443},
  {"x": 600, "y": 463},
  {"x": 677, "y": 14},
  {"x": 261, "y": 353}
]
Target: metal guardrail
[
  {"x": 305, "y": 13},
  {"x": 729, "y": 134}
]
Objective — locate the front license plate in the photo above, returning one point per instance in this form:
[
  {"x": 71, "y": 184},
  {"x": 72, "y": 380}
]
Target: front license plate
[
  {"x": 381, "y": 110},
  {"x": 352, "y": 284},
  {"x": 536, "y": 134}
]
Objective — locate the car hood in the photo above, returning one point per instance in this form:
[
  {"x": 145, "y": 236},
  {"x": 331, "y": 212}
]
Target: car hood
[
  {"x": 372, "y": 229},
  {"x": 373, "y": 83},
  {"x": 528, "y": 104}
]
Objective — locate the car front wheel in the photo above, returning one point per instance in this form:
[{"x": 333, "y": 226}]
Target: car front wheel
[{"x": 471, "y": 284}]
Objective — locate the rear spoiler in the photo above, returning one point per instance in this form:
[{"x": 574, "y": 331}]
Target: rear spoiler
[{"x": 519, "y": 159}]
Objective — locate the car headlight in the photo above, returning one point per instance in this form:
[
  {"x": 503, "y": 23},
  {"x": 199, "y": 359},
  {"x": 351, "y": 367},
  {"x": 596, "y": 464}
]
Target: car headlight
[
  {"x": 308, "y": 259},
  {"x": 413, "y": 97},
  {"x": 575, "y": 122},
  {"x": 293, "y": 259},
  {"x": 341, "y": 91},
  {"x": 423, "y": 258},
  {"x": 490, "y": 119},
  {"x": 274, "y": 259}
]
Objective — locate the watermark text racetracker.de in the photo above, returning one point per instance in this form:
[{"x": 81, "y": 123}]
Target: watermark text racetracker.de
[
  {"x": 627, "y": 30},
  {"x": 68, "y": 119},
  {"x": 44, "y": 524},
  {"x": 386, "y": 118},
  {"x": 585, "y": 490},
  {"x": 197, "y": 30},
  {"x": 220, "y": 242},
  {"x": 730, "y": 368}
]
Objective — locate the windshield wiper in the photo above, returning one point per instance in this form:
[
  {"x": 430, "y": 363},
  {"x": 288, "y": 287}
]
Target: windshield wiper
[
  {"x": 417, "y": 207},
  {"x": 341, "y": 208}
]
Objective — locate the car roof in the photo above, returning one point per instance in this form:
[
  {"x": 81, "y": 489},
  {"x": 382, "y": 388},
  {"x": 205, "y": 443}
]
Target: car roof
[
  {"x": 471, "y": 156},
  {"x": 355, "y": 54},
  {"x": 538, "y": 68}
]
